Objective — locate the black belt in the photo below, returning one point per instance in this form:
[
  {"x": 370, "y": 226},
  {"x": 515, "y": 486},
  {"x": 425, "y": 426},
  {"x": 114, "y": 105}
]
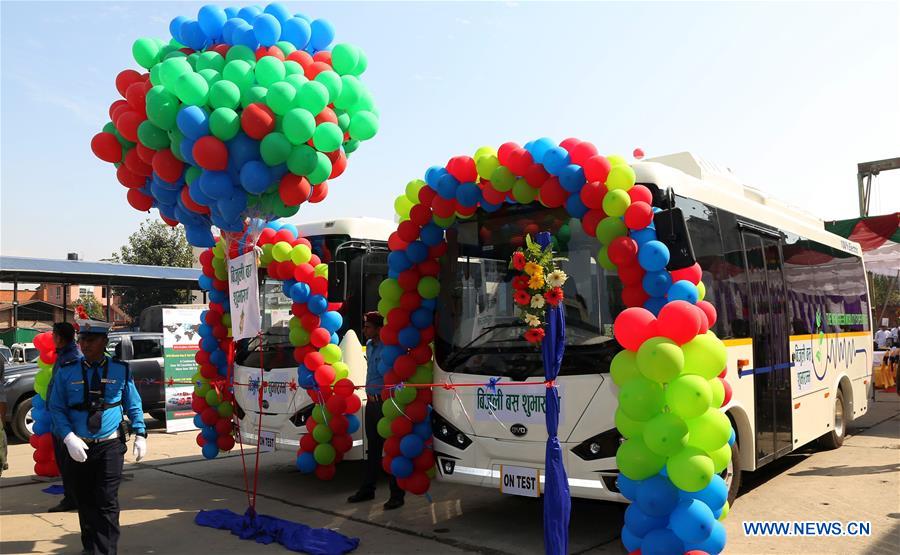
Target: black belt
[{"x": 92, "y": 441}]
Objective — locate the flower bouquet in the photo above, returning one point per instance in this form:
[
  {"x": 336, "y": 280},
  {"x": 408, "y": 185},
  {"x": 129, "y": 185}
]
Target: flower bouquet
[{"x": 538, "y": 286}]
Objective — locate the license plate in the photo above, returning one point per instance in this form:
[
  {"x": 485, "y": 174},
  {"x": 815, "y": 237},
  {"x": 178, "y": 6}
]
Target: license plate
[
  {"x": 266, "y": 442},
  {"x": 517, "y": 480}
]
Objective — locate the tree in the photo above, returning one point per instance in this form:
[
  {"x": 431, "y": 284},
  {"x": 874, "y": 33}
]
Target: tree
[
  {"x": 91, "y": 306},
  {"x": 885, "y": 296},
  {"x": 154, "y": 244}
]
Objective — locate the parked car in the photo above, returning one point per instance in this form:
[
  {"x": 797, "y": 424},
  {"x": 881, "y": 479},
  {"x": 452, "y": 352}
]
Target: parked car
[
  {"x": 144, "y": 354},
  {"x": 5, "y": 354},
  {"x": 24, "y": 352}
]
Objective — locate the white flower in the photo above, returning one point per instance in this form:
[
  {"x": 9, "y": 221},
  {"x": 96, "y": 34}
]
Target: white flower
[
  {"x": 556, "y": 278},
  {"x": 537, "y": 301},
  {"x": 532, "y": 320}
]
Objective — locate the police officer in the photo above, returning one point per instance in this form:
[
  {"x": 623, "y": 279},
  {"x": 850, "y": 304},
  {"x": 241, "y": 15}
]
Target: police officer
[
  {"x": 66, "y": 353},
  {"x": 90, "y": 396}
]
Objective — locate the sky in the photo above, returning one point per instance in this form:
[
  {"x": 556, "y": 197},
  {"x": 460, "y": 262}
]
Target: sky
[{"x": 790, "y": 96}]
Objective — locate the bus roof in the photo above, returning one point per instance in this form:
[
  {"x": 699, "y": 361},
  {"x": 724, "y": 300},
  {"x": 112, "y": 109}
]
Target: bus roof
[
  {"x": 693, "y": 177},
  {"x": 357, "y": 228}
]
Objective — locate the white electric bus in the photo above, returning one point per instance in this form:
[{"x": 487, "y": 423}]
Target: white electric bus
[
  {"x": 362, "y": 244},
  {"x": 793, "y": 311}
]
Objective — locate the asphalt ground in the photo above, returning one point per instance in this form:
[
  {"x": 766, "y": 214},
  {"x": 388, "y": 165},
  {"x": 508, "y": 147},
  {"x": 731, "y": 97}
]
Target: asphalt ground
[{"x": 161, "y": 495}]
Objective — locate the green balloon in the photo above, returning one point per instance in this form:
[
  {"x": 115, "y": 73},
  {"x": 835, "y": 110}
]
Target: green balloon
[
  {"x": 322, "y": 433},
  {"x": 286, "y": 47},
  {"x": 389, "y": 289},
  {"x": 322, "y": 171},
  {"x": 298, "y": 337},
  {"x": 603, "y": 258},
  {"x": 212, "y": 397},
  {"x": 332, "y": 82},
  {"x": 292, "y": 68},
  {"x": 402, "y": 206},
  {"x": 688, "y": 396},
  {"x": 615, "y": 202},
  {"x": 666, "y": 434},
  {"x": 296, "y": 80},
  {"x": 191, "y": 174},
  {"x": 298, "y": 125},
  {"x": 412, "y": 190},
  {"x": 331, "y": 353},
  {"x": 384, "y": 426},
  {"x": 280, "y": 97},
  {"x": 350, "y": 146},
  {"x": 210, "y": 60},
  {"x": 324, "y": 453},
  {"x": 362, "y": 64},
  {"x": 350, "y": 93},
  {"x": 210, "y": 75},
  {"x": 718, "y": 392},
  {"x": 628, "y": 427},
  {"x": 623, "y": 368},
  {"x": 238, "y": 72},
  {"x": 363, "y": 125},
  {"x": 720, "y": 458},
  {"x": 155, "y": 78},
  {"x": 344, "y": 58},
  {"x": 145, "y": 52},
  {"x": 275, "y": 149},
  {"x": 690, "y": 469},
  {"x": 192, "y": 89},
  {"x": 423, "y": 374},
  {"x": 524, "y": 193},
  {"x": 636, "y": 461},
  {"x": 641, "y": 399},
  {"x": 269, "y": 70},
  {"x": 609, "y": 228},
  {"x": 704, "y": 355},
  {"x": 240, "y": 52},
  {"x": 445, "y": 222},
  {"x": 171, "y": 69},
  {"x": 313, "y": 97},
  {"x": 710, "y": 430},
  {"x": 320, "y": 414},
  {"x": 660, "y": 359},
  {"x": 385, "y": 306},
  {"x": 252, "y": 95},
  {"x": 224, "y": 94},
  {"x": 327, "y": 137},
  {"x": 405, "y": 395},
  {"x": 392, "y": 409},
  {"x": 162, "y": 107},
  {"x": 365, "y": 102},
  {"x": 429, "y": 287},
  {"x": 152, "y": 136},
  {"x": 501, "y": 178},
  {"x": 302, "y": 160},
  {"x": 225, "y": 410},
  {"x": 224, "y": 123}
]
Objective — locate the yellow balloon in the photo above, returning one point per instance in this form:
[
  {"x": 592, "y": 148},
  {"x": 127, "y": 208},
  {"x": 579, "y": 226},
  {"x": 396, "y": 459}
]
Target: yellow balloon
[
  {"x": 725, "y": 508},
  {"x": 321, "y": 270},
  {"x": 701, "y": 290},
  {"x": 620, "y": 177},
  {"x": 486, "y": 166},
  {"x": 616, "y": 160},
  {"x": 484, "y": 151}
]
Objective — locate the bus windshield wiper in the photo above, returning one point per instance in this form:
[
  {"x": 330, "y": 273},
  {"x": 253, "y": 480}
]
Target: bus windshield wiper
[{"x": 461, "y": 351}]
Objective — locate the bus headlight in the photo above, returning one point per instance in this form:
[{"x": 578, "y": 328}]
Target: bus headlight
[
  {"x": 600, "y": 446},
  {"x": 447, "y": 432}
]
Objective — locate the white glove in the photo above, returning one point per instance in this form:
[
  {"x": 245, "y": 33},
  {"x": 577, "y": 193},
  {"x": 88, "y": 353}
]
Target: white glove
[
  {"x": 140, "y": 448},
  {"x": 76, "y": 446}
]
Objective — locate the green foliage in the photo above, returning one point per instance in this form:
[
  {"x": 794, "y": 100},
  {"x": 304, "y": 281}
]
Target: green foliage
[
  {"x": 154, "y": 244},
  {"x": 91, "y": 306}
]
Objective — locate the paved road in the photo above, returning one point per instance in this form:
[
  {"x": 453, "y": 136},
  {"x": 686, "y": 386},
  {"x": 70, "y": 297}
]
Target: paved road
[{"x": 860, "y": 481}]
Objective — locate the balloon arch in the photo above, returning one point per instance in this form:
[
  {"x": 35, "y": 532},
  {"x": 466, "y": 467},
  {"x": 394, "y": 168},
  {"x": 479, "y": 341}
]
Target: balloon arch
[{"x": 669, "y": 375}]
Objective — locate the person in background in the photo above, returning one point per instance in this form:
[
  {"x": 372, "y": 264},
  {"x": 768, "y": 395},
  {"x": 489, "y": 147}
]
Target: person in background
[
  {"x": 881, "y": 337},
  {"x": 3, "y": 463},
  {"x": 66, "y": 353},
  {"x": 374, "y": 385},
  {"x": 90, "y": 397}
]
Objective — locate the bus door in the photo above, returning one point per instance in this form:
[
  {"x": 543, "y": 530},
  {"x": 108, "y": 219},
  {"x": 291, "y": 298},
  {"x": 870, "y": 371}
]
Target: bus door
[{"x": 771, "y": 356}]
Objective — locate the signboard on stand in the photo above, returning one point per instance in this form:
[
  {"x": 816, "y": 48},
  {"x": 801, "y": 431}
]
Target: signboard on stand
[
  {"x": 243, "y": 288},
  {"x": 181, "y": 341}
]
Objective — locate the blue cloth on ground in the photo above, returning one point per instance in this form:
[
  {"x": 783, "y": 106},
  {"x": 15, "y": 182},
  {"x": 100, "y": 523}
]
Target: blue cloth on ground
[
  {"x": 267, "y": 529},
  {"x": 55, "y": 489}
]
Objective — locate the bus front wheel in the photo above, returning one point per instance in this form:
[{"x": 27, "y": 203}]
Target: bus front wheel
[
  {"x": 835, "y": 438},
  {"x": 732, "y": 474}
]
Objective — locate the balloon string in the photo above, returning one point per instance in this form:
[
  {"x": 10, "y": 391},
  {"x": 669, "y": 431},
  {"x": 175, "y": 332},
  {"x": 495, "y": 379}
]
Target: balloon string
[{"x": 444, "y": 385}]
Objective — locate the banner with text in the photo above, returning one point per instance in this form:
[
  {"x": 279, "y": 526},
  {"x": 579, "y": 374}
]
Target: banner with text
[
  {"x": 243, "y": 288},
  {"x": 180, "y": 345}
]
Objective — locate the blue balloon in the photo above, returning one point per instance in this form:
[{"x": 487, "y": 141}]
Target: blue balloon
[
  {"x": 575, "y": 207},
  {"x": 218, "y": 358},
  {"x": 430, "y": 304},
  {"x": 571, "y": 178},
  {"x": 199, "y": 236},
  {"x": 197, "y": 195},
  {"x": 175, "y": 27},
  {"x": 656, "y": 284},
  {"x": 714, "y": 544},
  {"x": 468, "y": 194},
  {"x": 398, "y": 261},
  {"x": 212, "y": 19},
  {"x": 232, "y": 208},
  {"x": 421, "y": 318},
  {"x": 417, "y": 252},
  {"x": 205, "y": 330},
  {"x": 431, "y": 234},
  {"x": 661, "y": 541},
  {"x": 555, "y": 160},
  {"x": 163, "y": 195},
  {"x": 322, "y": 34},
  {"x": 198, "y": 422},
  {"x": 331, "y": 321},
  {"x": 713, "y": 495},
  {"x": 245, "y": 36},
  {"x": 216, "y": 185},
  {"x": 640, "y": 522},
  {"x": 488, "y": 207},
  {"x": 255, "y": 177},
  {"x": 209, "y": 433},
  {"x": 389, "y": 353},
  {"x": 267, "y": 29},
  {"x": 409, "y": 337},
  {"x": 290, "y": 228},
  {"x": 209, "y": 344},
  {"x": 642, "y": 236},
  {"x": 692, "y": 521},
  {"x": 231, "y": 12},
  {"x": 401, "y": 467},
  {"x": 433, "y": 175},
  {"x": 655, "y": 304},
  {"x": 193, "y": 35},
  {"x": 683, "y": 290},
  {"x": 446, "y": 187},
  {"x": 657, "y": 496},
  {"x": 627, "y": 486},
  {"x": 306, "y": 462},
  {"x": 193, "y": 122},
  {"x": 231, "y": 25},
  {"x": 732, "y": 438},
  {"x": 286, "y": 285},
  {"x": 423, "y": 429},
  {"x": 281, "y": 13},
  {"x": 411, "y": 446},
  {"x": 210, "y": 450},
  {"x": 317, "y": 304},
  {"x": 307, "y": 378},
  {"x": 299, "y": 292},
  {"x": 296, "y": 31},
  {"x": 352, "y": 423},
  {"x": 653, "y": 256},
  {"x": 249, "y": 13},
  {"x": 540, "y": 147},
  {"x": 630, "y": 540}
]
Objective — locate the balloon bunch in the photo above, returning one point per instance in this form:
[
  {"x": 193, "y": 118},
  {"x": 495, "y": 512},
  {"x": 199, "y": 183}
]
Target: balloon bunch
[
  {"x": 243, "y": 113},
  {"x": 313, "y": 332},
  {"x": 42, "y": 438}
]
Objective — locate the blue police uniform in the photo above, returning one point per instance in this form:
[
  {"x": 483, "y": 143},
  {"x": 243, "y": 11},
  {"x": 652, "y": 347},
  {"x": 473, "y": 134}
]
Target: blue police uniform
[
  {"x": 64, "y": 356},
  {"x": 90, "y": 400},
  {"x": 374, "y": 379}
]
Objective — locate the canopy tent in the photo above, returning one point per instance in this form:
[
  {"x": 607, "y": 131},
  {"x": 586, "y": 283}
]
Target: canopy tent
[{"x": 871, "y": 232}]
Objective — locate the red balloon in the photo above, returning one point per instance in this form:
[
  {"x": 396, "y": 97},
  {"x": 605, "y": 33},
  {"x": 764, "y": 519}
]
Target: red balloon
[
  {"x": 633, "y": 326},
  {"x": 410, "y": 300},
  {"x": 137, "y": 166},
  {"x": 692, "y": 274},
  {"x": 679, "y": 321},
  {"x": 127, "y": 123},
  {"x": 704, "y": 321},
  {"x": 129, "y": 179},
  {"x": 490, "y": 194},
  {"x": 398, "y": 318},
  {"x": 438, "y": 250},
  {"x": 420, "y": 214},
  {"x": 520, "y": 162},
  {"x": 353, "y": 404},
  {"x": 301, "y": 57},
  {"x": 327, "y": 115},
  {"x": 210, "y": 153},
  {"x": 166, "y": 166},
  {"x": 313, "y": 360},
  {"x": 341, "y": 442},
  {"x": 116, "y": 109},
  {"x": 338, "y": 163},
  {"x": 590, "y": 220},
  {"x": 596, "y": 168},
  {"x": 324, "y": 375},
  {"x": 569, "y": 144},
  {"x": 424, "y": 461},
  {"x": 709, "y": 310},
  {"x": 416, "y": 411},
  {"x": 463, "y": 169},
  {"x": 136, "y": 97},
  {"x": 145, "y": 153},
  {"x": 401, "y": 426},
  {"x": 552, "y": 195},
  {"x": 389, "y": 336},
  {"x": 634, "y": 295},
  {"x": 592, "y": 195},
  {"x": 581, "y": 152},
  {"x": 395, "y": 243},
  {"x": 343, "y": 388},
  {"x": 728, "y": 391},
  {"x": 257, "y": 120},
  {"x": 316, "y": 68},
  {"x": 638, "y": 153},
  {"x": 325, "y": 472},
  {"x": 336, "y": 405},
  {"x": 209, "y": 416},
  {"x": 630, "y": 274},
  {"x": 190, "y": 204},
  {"x": 421, "y": 354},
  {"x": 225, "y": 443},
  {"x": 638, "y": 215},
  {"x": 304, "y": 273},
  {"x": 430, "y": 268},
  {"x": 319, "y": 338},
  {"x": 535, "y": 175},
  {"x": 640, "y": 193},
  {"x": 139, "y": 201},
  {"x": 442, "y": 207},
  {"x": 623, "y": 251},
  {"x": 405, "y": 366},
  {"x": 408, "y": 231},
  {"x": 417, "y": 483},
  {"x": 106, "y": 147},
  {"x": 125, "y": 78},
  {"x": 319, "y": 192},
  {"x": 293, "y": 189},
  {"x": 308, "y": 443},
  {"x": 409, "y": 279}
]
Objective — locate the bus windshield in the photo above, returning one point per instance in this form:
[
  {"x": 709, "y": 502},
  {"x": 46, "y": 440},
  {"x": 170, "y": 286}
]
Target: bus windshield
[{"x": 479, "y": 330}]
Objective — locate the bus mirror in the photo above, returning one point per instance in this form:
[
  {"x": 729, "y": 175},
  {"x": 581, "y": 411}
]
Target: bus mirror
[
  {"x": 671, "y": 230},
  {"x": 337, "y": 281}
]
